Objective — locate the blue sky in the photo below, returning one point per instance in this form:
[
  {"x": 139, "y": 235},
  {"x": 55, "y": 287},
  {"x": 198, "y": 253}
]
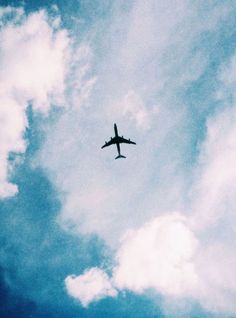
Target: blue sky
[{"x": 83, "y": 234}]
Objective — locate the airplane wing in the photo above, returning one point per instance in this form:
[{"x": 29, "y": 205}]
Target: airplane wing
[
  {"x": 110, "y": 142},
  {"x": 126, "y": 141}
]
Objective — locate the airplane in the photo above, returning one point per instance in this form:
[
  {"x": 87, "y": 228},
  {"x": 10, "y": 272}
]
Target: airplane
[{"x": 118, "y": 140}]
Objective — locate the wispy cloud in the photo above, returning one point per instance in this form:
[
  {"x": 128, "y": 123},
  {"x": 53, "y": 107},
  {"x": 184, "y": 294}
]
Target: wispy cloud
[{"x": 142, "y": 82}]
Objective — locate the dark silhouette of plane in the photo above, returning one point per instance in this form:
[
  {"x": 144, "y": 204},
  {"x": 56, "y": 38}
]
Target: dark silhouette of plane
[{"x": 118, "y": 140}]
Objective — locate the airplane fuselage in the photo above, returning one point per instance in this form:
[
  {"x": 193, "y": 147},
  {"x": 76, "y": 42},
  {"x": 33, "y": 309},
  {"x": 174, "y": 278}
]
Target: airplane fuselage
[
  {"x": 117, "y": 142},
  {"x": 116, "y": 130}
]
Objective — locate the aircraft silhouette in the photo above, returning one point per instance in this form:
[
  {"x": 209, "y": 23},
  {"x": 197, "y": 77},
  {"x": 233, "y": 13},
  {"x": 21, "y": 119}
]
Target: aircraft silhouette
[{"x": 118, "y": 140}]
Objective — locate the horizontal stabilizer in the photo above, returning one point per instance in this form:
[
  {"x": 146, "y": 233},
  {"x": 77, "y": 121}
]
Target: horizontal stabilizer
[{"x": 120, "y": 156}]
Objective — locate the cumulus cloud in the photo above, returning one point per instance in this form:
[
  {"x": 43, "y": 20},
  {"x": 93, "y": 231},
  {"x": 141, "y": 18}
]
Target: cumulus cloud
[
  {"x": 165, "y": 255},
  {"x": 90, "y": 286},
  {"x": 159, "y": 256},
  {"x": 32, "y": 71}
]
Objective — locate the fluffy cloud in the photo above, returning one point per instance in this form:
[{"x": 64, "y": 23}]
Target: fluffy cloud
[
  {"x": 159, "y": 256},
  {"x": 165, "y": 255},
  {"x": 92, "y": 285},
  {"x": 32, "y": 71}
]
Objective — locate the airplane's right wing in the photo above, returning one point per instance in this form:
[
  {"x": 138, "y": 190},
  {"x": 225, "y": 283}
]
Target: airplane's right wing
[
  {"x": 110, "y": 142},
  {"x": 126, "y": 141}
]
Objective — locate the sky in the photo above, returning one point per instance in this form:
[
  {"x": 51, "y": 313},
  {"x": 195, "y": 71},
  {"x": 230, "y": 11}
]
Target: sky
[{"x": 84, "y": 235}]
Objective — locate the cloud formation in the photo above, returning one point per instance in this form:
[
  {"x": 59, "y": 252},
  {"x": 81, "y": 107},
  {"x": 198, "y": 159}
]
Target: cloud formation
[
  {"x": 143, "y": 77},
  {"x": 192, "y": 257},
  {"x": 159, "y": 256},
  {"x": 146, "y": 79},
  {"x": 33, "y": 57},
  {"x": 92, "y": 285},
  {"x": 173, "y": 254}
]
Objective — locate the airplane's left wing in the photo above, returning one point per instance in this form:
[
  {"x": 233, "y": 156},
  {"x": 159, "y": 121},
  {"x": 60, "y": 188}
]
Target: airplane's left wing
[
  {"x": 126, "y": 141},
  {"x": 110, "y": 142}
]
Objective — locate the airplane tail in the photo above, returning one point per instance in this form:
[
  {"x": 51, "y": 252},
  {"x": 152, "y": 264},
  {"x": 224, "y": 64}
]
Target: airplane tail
[{"x": 120, "y": 156}]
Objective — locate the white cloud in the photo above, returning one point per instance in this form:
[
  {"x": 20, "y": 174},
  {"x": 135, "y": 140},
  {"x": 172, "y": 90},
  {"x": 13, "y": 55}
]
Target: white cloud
[
  {"x": 32, "y": 70},
  {"x": 159, "y": 255},
  {"x": 90, "y": 286},
  {"x": 166, "y": 256}
]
